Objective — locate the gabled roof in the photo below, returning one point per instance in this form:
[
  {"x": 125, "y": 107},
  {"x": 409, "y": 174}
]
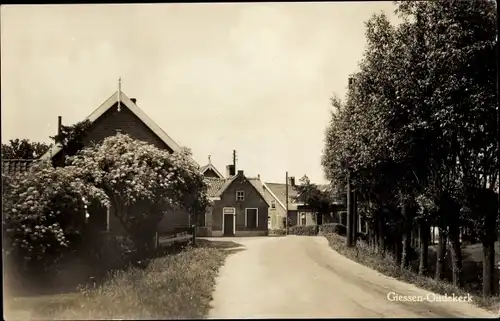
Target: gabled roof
[
  {"x": 278, "y": 191},
  {"x": 259, "y": 186},
  {"x": 217, "y": 186},
  {"x": 205, "y": 168},
  {"x": 214, "y": 185},
  {"x": 125, "y": 101}
]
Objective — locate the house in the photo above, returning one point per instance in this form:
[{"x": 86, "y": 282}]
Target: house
[
  {"x": 239, "y": 207},
  {"x": 298, "y": 213},
  {"x": 121, "y": 114},
  {"x": 277, "y": 192}
]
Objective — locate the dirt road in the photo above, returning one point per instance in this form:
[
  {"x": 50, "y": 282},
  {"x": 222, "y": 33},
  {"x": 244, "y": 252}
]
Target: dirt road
[{"x": 298, "y": 276}]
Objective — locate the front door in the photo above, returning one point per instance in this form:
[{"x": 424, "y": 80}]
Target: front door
[{"x": 228, "y": 224}]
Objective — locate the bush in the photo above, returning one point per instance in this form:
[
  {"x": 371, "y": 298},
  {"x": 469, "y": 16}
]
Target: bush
[
  {"x": 309, "y": 230},
  {"x": 361, "y": 236},
  {"x": 277, "y": 232},
  {"x": 327, "y": 228},
  {"x": 143, "y": 183},
  {"x": 332, "y": 228},
  {"x": 44, "y": 214}
]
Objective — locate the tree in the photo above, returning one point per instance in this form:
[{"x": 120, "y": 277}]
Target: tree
[
  {"x": 23, "y": 149},
  {"x": 461, "y": 44},
  {"x": 143, "y": 183},
  {"x": 417, "y": 130},
  {"x": 72, "y": 138},
  {"x": 315, "y": 199}
]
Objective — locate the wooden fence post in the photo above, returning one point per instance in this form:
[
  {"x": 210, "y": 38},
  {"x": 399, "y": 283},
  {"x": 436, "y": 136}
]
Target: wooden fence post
[{"x": 193, "y": 227}]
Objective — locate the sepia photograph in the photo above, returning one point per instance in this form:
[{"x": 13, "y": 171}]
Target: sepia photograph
[{"x": 250, "y": 160}]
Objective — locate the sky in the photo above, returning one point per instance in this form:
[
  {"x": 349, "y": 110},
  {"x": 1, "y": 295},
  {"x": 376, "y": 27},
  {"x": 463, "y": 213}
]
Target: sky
[{"x": 252, "y": 77}]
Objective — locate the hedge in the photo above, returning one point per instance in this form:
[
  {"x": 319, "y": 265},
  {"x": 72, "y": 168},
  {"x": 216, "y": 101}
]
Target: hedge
[{"x": 304, "y": 230}]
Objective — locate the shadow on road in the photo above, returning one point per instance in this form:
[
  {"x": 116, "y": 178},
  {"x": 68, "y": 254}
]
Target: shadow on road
[{"x": 220, "y": 244}]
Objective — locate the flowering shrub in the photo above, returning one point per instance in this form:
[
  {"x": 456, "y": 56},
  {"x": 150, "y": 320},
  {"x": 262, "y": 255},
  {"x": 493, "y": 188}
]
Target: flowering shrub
[
  {"x": 142, "y": 182},
  {"x": 44, "y": 208}
]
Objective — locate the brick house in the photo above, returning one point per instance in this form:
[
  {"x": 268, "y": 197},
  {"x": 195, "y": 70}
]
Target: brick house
[
  {"x": 239, "y": 207},
  {"x": 120, "y": 114}
]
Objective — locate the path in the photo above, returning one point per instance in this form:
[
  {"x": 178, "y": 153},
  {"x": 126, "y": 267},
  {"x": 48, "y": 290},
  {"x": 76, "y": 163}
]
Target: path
[{"x": 298, "y": 276}]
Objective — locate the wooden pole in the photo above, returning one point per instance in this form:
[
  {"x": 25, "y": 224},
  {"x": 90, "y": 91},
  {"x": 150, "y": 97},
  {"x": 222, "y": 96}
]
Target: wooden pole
[
  {"x": 193, "y": 227},
  {"x": 355, "y": 217},
  {"x": 349, "y": 211},
  {"x": 286, "y": 198}
]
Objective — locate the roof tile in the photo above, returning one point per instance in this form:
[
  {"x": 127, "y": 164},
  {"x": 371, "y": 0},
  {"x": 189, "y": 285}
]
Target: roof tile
[{"x": 15, "y": 166}]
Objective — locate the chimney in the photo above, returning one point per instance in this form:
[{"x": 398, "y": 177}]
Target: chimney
[
  {"x": 134, "y": 100},
  {"x": 350, "y": 83},
  {"x": 258, "y": 177},
  {"x": 240, "y": 173},
  {"x": 59, "y": 125},
  {"x": 230, "y": 170},
  {"x": 291, "y": 181}
]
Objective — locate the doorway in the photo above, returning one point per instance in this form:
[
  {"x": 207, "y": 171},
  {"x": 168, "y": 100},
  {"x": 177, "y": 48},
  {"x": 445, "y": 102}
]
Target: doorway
[{"x": 229, "y": 225}]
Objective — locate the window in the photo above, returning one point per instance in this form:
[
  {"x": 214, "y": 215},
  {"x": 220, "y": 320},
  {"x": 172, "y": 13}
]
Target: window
[
  {"x": 273, "y": 204},
  {"x": 240, "y": 195},
  {"x": 303, "y": 219},
  {"x": 251, "y": 217}
]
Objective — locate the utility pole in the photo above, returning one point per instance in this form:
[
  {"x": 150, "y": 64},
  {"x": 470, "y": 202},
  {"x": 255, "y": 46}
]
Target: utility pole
[
  {"x": 234, "y": 160},
  {"x": 498, "y": 166},
  {"x": 355, "y": 218},
  {"x": 350, "y": 220},
  {"x": 286, "y": 197}
]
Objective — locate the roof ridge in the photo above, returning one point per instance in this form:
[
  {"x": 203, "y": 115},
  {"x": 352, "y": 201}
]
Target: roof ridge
[{"x": 136, "y": 110}]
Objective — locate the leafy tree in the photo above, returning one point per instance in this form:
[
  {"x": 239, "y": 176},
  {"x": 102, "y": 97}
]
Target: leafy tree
[
  {"x": 143, "y": 183},
  {"x": 23, "y": 149},
  {"x": 417, "y": 130},
  {"x": 72, "y": 138},
  {"x": 312, "y": 196}
]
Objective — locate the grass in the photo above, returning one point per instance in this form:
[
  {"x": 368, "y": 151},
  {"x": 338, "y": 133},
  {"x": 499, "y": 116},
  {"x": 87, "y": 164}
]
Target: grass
[
  {"x": 366, "y": 256},
  {"x": 176, "y": 286}
]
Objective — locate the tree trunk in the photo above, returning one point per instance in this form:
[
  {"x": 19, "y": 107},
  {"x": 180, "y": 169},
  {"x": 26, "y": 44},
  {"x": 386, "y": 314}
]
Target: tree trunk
[
  {"x": 424, "y": 247},
  {"x": 398, "y": 248},
  {"x": 456, "y": 255},
  {"x": 407, "y": 231},
  {"x": 441, "y": 253},
  {"x": 406, "y": 247},
  {"x": 370, "y": 239},
  {"x": 490, "y": 235},
  {"x": 375, "y": 237},
  {"x": 380, "y": 237},
  {"x": 488, "y": 269}
]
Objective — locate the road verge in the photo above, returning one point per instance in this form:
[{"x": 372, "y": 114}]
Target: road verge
[{"x": 362, "y": 254}]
